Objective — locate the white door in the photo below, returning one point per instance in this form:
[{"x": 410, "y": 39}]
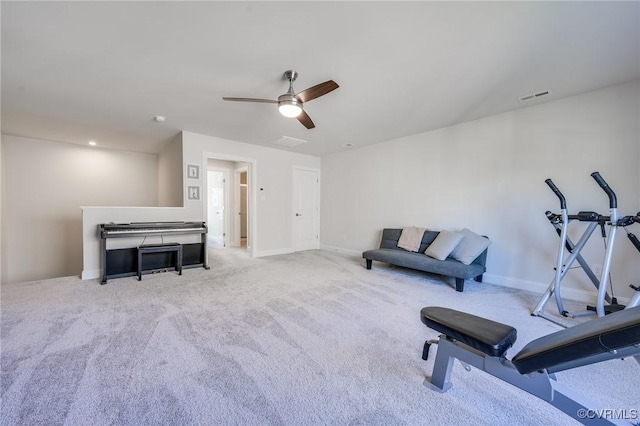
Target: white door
[
  {"x": 306, "y": 206},
  {"x": 216, "y": 209}
]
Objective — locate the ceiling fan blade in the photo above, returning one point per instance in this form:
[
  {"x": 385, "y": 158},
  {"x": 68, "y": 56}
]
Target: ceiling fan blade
[
  {"x": 306, "y": 120},
  {"x": 317, "y": 91},
  {"x": 265, "y": 101}
]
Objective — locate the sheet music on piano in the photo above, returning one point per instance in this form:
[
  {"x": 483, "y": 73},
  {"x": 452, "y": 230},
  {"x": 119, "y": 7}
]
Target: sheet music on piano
[{"x": 122, "y": 262}]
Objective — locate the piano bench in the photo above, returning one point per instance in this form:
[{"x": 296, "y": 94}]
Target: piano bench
[{"x": 160, "y": 248}]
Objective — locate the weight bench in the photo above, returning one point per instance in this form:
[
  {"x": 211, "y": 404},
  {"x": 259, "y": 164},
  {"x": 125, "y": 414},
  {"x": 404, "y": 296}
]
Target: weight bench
[{"x": 483, "y": 343}]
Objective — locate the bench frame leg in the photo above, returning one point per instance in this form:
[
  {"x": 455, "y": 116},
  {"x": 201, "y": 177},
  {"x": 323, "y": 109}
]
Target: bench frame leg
[
  {"x": 460, "y": 284},
  {"x": 540, "y": 384}
]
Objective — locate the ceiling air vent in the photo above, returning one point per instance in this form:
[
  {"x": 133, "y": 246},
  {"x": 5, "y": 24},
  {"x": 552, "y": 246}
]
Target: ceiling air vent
[
  {"x": 288, "y": 141},
  {"x": 533, "y": 96}
]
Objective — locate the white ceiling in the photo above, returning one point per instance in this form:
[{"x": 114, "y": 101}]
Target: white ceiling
[{"x": 80, "y": 71}]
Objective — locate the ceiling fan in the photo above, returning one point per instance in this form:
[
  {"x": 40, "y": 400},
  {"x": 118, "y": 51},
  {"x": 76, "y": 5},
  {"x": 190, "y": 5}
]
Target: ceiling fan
[{"x": 290, "y": 104}]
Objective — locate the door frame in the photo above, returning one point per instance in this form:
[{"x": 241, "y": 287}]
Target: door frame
[
  {"x": 252, "y": 238},
  {"x": 237, "y": 194}
]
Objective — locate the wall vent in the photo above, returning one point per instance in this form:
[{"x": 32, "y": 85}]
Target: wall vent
[
  {"x": 533, "y": 96},
  {"x": 288, "y": 141}
]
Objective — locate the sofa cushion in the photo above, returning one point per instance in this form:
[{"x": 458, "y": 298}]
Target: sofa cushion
[
  {"x": 390, "y": 237},
  {"x": 448, "y": 267},
  {"x": 471, "y": 246},
  {"x": 443, "y": 245}
]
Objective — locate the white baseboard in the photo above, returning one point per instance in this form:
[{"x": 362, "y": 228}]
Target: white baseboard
[
  {"x": 90, "y": 274},
  {"x": 265, "y": 253},
  {"x": 575, "y": 294},
  {"x": 341, "y": 250}
]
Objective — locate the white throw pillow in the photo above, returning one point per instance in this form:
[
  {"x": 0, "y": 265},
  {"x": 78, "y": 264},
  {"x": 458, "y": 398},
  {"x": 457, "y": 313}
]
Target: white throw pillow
[
  {"x": 471, "y": 246},
  {"x": 444, "y": 244},
  {"x": 410, "y": 238}
]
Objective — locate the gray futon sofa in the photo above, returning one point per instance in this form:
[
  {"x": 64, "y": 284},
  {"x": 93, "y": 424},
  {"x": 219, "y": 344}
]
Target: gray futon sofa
[{"x": 389, "y": 252}]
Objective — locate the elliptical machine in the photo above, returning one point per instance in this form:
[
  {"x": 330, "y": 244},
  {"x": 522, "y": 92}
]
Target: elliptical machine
[
  {"x": 614, "y": 223},
  {"x": 561, "y": 222}
]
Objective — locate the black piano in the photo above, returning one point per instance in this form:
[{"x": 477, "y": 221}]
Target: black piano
[{"x": 123, "y": 262}]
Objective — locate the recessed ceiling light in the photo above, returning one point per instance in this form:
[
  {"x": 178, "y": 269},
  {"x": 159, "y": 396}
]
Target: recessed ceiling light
[
  {"x": 92, "y": 143},
  {"x": 160, "y": 118}
]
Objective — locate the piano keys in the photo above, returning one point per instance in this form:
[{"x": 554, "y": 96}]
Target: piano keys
[{"x": 123, "y": 262}]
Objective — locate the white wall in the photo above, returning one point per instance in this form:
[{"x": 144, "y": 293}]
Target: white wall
[
  {"x": 271, "y": 171},
  {"x": 1, "y": 192},
  {"x": 44, "y": 185},
  {"x": 271, "y": 186},
  {"x": 489, "y": 175},
  {"x": 170, "y": 174}
]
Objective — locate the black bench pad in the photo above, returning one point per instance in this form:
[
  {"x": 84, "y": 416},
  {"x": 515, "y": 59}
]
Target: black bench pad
[
  {"x": 615, "y": 331},
  {"x": 489, "y": 337}
]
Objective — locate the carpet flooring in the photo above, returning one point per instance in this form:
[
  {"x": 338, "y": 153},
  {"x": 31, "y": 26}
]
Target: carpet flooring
[{"x": 309, "y": 338}]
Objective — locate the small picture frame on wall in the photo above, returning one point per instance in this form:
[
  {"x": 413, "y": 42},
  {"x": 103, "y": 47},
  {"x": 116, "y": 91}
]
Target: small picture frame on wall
[
  {"x": 193, "y": 192},
  {"x": 193, "y": 171}
]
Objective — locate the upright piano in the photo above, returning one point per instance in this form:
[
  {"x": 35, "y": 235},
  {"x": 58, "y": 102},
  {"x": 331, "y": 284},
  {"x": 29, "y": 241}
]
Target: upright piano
[{"x": 123, "y": 262}]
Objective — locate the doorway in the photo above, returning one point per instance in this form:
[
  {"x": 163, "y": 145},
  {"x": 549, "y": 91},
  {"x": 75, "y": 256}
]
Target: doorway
[
  {"x": 229, "y": 203},
  {"x": 243, "y": 206}
]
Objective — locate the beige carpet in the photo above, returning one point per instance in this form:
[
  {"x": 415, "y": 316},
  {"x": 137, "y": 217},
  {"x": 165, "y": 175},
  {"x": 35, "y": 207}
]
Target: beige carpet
[{"x": 302, "y": 339}]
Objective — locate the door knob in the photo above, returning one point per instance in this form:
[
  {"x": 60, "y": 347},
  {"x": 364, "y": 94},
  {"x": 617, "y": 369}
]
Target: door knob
[{"x": 298, "y": 214}]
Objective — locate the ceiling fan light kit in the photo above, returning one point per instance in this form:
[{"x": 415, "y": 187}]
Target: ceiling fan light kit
[{"x": 291, "y": 104}]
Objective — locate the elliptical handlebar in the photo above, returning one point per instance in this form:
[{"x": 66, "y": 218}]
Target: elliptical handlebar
[
  {"x": 613, "y": 201},
  {"x": 554, "y": 188}
]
